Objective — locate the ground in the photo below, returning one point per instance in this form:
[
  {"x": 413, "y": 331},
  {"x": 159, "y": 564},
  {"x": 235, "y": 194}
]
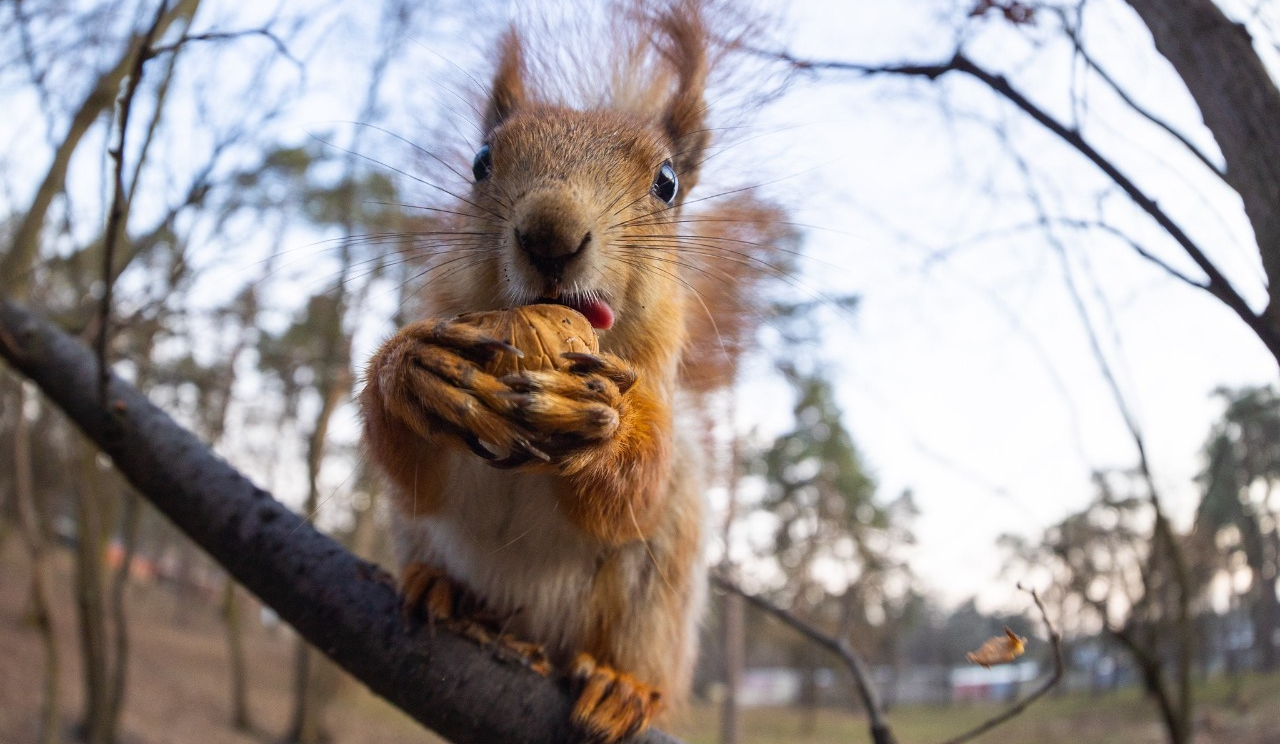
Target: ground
[{"x": 178, "y": 690}]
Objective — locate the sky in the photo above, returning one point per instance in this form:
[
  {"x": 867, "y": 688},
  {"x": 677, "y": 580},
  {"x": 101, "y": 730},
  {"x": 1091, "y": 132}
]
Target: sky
[{"x": 966, "y": 374}]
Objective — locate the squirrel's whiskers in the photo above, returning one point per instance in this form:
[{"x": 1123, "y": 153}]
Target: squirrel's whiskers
[{"x": 563, "y": 503}]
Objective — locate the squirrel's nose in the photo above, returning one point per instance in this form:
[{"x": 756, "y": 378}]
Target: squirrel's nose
[
  {"x": 548, "y": 242},
  {"x": 551, "y": 233}
]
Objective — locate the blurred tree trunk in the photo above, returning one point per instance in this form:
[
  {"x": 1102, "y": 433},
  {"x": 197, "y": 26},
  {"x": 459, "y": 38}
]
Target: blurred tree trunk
[
  {"x": 240, "y": 717},
  {"x": 733, "y": 616},
  {"x": 733, "y": 607},
  {"x": 90, "y": 603},
  {"x": 130, "y": 518},
  {"x": 806, "y": 656},
  {"x": 33, "y": 532},
  {"x": 1180, "y": 725}
]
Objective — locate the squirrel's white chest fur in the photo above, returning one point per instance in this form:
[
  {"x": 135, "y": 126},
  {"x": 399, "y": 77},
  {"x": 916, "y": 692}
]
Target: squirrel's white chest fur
[{"x": 501, "y": 534}]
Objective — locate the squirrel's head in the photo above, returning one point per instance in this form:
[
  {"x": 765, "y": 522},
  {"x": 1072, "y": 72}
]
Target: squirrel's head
[{"x": 582, "y": 207}]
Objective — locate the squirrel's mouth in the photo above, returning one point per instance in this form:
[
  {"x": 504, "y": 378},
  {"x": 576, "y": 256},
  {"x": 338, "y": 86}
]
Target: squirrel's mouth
[{"x": 593, "y": 306}]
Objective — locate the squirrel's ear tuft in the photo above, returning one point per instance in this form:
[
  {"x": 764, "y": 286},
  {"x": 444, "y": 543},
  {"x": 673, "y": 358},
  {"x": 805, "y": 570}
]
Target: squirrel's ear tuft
[
  {"x": 507, "y": 92},
  {"x": 685, "y": 119}
]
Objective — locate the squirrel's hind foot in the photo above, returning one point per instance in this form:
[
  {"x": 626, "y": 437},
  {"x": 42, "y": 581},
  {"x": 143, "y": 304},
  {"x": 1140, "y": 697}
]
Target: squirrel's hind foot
[
  {"x": 428, "y": 593},
  {"x": 611, "y": 705}
]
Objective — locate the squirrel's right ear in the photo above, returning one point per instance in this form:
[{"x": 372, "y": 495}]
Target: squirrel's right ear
[
  {"x": 686, "y": 116},
  {"x": 507, "y": 92}
]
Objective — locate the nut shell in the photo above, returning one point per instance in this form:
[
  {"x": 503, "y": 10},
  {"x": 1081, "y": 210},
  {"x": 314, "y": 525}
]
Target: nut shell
[{"x": 542, "y": 332}]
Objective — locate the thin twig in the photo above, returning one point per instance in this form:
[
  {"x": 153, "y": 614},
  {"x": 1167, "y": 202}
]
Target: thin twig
[
  {"x": 266, "y": 33},
  {"x": 1115, "y": 87},
  {"x": 1055, "y": 640},
  {"x": 880, "y": 731},
  {"x": 116, "y": 217}
]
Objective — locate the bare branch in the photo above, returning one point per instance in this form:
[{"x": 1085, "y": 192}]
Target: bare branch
[
  {"x": 116, "y": 217},
  {"x": 880, "y": 731},
  {"x": 1055, "y": 640},
  {"x": 1217, "y": 283},
  {"x": 18, "y": 260},
  {"x": 346, "y": 607},
  {"x": 265, "y": 33},
  {"x": 1138, "y": 108}
]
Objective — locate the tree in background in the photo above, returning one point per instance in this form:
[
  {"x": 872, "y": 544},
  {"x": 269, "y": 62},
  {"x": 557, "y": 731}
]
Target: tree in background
[
  {"x": 190, "y": 175},
  {"x": 835, "y": 548},
  {"x": 1105, "y": 572},
  {"x": 1238, "y": 511}
]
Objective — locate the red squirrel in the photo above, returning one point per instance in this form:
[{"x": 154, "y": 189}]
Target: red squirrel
[{"x": 566, "y": 504}]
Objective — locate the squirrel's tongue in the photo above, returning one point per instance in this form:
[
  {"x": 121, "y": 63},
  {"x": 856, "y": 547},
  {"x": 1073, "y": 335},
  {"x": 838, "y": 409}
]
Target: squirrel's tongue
[{"x": 597, "y": 312}]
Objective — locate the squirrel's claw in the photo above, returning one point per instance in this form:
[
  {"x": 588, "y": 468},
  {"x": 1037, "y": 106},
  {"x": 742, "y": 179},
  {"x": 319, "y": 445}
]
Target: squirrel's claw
[
  {"x": 428, "y": 593},
  {"x": 607, "y": 365},
  {"x": 611, "y": 705},
  {"x": 433, "y": 380}
]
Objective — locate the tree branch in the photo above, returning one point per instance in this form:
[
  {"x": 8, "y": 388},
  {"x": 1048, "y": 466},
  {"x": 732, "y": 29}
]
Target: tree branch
[
  {"x": 117, "y": 217},
  {"x": 348, "y": 608},
  {"x": 19, "y": 259},
  {"x": 880, "y": 731},
  {"x": 1140, "y": 110},
  {"x": 1240, "y": 104},
  {"x": 1217, "y": 284},
  {"x": 1055, "y": 640}
]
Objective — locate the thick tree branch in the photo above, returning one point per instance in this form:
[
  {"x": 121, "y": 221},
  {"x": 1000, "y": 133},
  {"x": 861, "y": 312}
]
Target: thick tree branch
[
  {"x": 1239, "y": 102},
  {"x": 346, "y": 607}
]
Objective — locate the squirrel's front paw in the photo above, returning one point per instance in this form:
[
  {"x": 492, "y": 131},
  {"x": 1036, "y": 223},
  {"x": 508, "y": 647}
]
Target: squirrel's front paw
[
  {"x": 611, "y": 705},
  {"x": 431, "y": 377},
  {"x": 566, "y": 410}
]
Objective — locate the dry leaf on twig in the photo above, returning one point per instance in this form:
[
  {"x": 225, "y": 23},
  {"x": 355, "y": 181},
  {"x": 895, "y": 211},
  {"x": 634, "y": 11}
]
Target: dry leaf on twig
[{"x": 998, "y": 650}]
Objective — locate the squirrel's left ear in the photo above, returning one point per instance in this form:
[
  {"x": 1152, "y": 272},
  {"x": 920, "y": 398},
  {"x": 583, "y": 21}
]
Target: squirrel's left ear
[
  {"x": 507, "y": 92},
  {"x": 685, "y": 119}
]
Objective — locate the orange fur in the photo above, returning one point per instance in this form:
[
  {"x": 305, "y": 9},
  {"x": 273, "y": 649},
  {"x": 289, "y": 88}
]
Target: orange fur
[{"x": 587, "y": 547}]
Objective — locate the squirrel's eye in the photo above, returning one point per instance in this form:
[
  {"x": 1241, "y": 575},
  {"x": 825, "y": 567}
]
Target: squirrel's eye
[
  {"x": 482, "y": 166},
  {"x": 665, "y": 184}
]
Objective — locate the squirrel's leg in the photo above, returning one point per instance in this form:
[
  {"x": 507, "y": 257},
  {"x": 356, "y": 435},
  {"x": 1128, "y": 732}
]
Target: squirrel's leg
[
  {"x": 423, "y": 388},
  {"x": 430, "y": 594},
  {"x": 638, "y": 656}
]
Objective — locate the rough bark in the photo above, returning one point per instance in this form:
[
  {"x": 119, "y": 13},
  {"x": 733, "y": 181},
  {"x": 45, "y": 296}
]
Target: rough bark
[
  {"x": 346, "y": 607},
  {"x": 1240, "y": 105}
]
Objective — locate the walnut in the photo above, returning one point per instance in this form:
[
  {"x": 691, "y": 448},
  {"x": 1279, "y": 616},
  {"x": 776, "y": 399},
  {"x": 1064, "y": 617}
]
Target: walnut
[{"x": 542, "y": 332}]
